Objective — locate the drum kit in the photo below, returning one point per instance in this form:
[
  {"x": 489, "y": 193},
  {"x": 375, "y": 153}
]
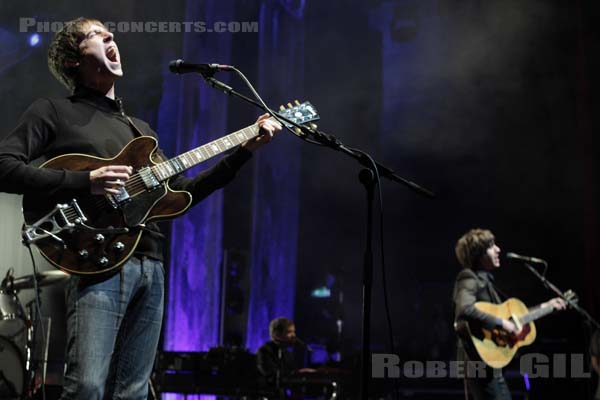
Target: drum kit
[{"x": 18, "y": 333}]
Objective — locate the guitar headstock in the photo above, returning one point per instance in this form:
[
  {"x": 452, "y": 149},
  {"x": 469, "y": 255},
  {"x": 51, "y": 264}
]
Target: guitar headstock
[
  {"x": 571, "y": 296},
  {"x": 301, "y": 113},
  {"x": 566, "y": 300}
]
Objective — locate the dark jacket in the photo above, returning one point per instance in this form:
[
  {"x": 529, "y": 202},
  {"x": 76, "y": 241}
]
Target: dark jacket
[
  {"x": 275, "y": 360},
  {"x": 470, "y": 287}
]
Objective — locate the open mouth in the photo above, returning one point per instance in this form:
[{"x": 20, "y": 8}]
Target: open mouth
[{"x": 111, "y": 54}]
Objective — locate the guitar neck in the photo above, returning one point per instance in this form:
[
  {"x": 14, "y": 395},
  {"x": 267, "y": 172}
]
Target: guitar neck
[
  {"x": 176, "y": 165},
  {"x": 536, "y": 313}
]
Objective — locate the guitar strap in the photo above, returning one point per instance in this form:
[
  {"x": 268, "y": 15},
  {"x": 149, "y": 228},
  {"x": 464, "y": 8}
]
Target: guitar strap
[
  {"x": 492, "y": 289},
  {"x": 136, "y": 130},
  {"x": 497, "y": 292}
]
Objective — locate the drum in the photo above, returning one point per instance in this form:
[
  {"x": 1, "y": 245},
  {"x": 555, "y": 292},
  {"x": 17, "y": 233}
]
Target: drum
[
  {"x": 13, "y": 346},
  {"x": 12, "y": 370},
  {"x": 10, "y": 306},
  {"x": 12, "y": 319}
]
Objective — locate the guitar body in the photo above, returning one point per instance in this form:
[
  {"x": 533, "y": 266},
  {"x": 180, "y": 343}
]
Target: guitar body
[
  {"x": 86, "y": 234},
  {"x": 496, "y": 347},
  {"x": 83, "y": 251}
]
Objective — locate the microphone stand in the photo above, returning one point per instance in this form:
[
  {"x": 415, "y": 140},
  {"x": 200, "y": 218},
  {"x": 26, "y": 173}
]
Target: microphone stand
[
  {"x": 590, "y": 322},
  {"x": 369, "y": 178},
  {"x": 550, "y": 286}
]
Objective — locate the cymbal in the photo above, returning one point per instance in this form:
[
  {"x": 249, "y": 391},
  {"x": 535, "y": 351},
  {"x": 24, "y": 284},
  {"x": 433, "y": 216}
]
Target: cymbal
[{"x": 45, "y": 278}]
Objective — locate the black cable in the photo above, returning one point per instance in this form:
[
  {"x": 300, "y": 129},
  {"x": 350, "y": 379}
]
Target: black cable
[
  {"x": 381, "y": 240},
  {"x": 38, "y": 313},
  {"x": 273, "y": 113},
  {"x": 378, "y": 182},
  {"x": 383, "y": 274}
]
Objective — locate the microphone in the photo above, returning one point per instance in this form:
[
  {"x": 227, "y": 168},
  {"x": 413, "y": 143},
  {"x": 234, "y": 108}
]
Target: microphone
[
  {"x": 301, "y": 343},
  {"x": 534, "y": 260},
  {"x": 182, "y": 67}
]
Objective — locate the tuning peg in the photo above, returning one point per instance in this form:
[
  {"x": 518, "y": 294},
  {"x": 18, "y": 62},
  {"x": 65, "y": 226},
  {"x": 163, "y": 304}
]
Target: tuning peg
[
  {"x": 313, "y": 126},
  {"x": 281, "y": 108},
  {"x": 297, "y": 102},
  {"x": 290, "y": 105},
  {"x": 298, "y": 132}
]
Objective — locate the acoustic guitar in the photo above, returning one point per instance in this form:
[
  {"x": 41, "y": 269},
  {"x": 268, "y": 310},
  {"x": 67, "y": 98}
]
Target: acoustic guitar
[
  {"x": 85, "y": 234},
  {"x": 497, "y": 347}
]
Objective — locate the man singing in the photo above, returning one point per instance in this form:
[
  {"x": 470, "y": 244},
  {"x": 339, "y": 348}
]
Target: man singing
[
  {"x": 113, "y": 323},
  {"x": 479, "y": 255}
]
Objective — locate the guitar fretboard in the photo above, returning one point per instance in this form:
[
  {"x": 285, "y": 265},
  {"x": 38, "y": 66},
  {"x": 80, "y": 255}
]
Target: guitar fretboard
[
  {"x": 536, "y": 313},
  {"x": 187, "y": 160}
]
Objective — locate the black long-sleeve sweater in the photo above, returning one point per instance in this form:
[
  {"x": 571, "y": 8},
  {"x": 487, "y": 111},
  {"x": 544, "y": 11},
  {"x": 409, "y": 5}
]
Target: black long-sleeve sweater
[{"x": 93, "y": 124}]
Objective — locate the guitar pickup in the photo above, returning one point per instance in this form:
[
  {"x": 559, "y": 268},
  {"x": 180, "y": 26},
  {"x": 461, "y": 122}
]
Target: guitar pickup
[{"x": 148, "y": 178}]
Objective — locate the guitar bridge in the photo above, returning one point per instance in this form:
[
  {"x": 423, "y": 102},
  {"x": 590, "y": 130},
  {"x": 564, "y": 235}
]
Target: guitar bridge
[{"x": 119, "y": 199}]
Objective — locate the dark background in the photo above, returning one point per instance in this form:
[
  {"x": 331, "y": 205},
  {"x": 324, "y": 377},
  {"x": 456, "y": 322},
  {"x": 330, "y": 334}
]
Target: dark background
[{"x": 491, "y": 104}]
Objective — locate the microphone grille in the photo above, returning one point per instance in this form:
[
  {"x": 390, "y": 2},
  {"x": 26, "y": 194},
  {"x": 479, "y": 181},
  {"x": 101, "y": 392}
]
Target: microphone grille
[{"x": 174, "y": 65}]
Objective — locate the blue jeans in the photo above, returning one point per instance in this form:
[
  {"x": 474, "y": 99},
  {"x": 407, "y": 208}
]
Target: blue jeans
[{"x": 113, "y": 328}]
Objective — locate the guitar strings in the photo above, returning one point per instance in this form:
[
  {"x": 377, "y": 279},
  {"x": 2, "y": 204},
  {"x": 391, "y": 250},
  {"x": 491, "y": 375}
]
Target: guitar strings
[
  {"x": 102, "y": 203},
  {"x": 137, "y": 185},
  {"x": 136, "y": 181},
  {"x": 203, "y": 153}
]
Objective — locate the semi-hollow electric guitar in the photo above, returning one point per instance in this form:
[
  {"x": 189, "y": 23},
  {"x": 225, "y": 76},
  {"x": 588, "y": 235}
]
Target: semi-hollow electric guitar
[
  {"x": 497, "y": 347},
  {"x": 82, "y": 233}
]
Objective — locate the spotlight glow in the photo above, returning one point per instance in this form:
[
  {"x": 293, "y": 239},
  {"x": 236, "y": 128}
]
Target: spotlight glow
[
  {"x": 34, "y": 40},
  {"x": 321, "y": 292}
]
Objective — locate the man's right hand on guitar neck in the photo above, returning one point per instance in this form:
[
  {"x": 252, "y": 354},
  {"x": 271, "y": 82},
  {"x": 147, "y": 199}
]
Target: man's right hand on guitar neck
[{"x": 108, "y": 180}]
